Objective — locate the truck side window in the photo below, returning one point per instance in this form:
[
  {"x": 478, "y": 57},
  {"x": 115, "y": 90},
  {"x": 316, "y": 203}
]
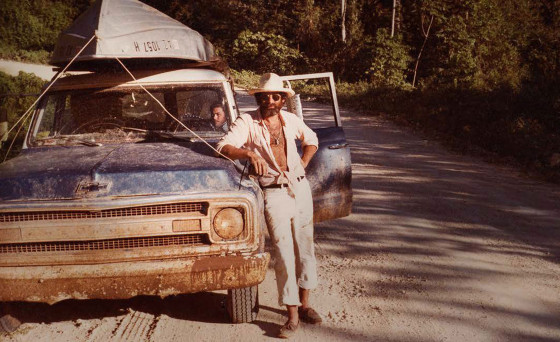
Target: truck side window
[{"x": 55, "y": 116}]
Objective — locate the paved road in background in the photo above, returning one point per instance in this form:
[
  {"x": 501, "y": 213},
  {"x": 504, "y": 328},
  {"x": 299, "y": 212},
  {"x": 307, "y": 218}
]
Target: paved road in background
[{"x": 13, "y": 68}]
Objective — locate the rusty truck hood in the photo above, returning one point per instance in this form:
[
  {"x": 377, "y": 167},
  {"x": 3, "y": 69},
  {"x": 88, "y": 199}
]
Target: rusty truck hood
[{"x": 114, "y": 170}]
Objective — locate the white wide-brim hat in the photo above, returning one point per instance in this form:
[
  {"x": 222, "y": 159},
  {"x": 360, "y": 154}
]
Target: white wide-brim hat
[{"x": 271, "y": 83}]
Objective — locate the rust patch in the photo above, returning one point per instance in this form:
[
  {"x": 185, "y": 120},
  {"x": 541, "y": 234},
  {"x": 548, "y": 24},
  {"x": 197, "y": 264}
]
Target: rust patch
[
  {"x": 127, "y": 280},
  {"x": 186, "y": 225},
  {"x": 13, "y": 234}
]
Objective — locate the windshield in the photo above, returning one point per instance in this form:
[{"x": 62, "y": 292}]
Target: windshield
[{"x": 118, "y": 115}]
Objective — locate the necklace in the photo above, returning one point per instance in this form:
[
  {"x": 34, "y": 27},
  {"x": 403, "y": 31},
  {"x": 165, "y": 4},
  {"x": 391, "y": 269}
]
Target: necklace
[{"x": 276, "y": 136}]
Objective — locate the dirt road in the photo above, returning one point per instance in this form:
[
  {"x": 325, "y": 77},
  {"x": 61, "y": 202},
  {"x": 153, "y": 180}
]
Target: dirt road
[{"x": 439, "y": 247}]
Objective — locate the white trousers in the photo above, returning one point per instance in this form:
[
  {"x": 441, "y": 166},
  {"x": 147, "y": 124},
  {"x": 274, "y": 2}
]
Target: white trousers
[{"x": 289, "y": 217}]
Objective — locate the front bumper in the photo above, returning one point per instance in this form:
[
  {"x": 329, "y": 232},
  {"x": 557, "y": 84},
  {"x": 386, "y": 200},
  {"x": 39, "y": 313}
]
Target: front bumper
[{"x": 128, "y": 279}]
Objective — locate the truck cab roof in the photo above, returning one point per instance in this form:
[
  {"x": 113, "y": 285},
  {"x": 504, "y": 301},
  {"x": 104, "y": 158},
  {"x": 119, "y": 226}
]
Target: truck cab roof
[{"x": 84, "y": 80}]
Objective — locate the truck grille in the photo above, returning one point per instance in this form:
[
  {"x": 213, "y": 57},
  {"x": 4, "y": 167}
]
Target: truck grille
[
  {"x": 162, "y": 209},
  {"x": 109, "y": 244}
]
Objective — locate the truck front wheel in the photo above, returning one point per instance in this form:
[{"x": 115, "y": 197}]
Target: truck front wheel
[
  {"x": 243, "y": 304},
  {"x": 8, "y": 323}
]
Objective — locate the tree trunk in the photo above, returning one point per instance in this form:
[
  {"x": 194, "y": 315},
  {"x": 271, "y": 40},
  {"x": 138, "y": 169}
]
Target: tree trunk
[
  {"x": 343, "y": 15},
  {"x": 426, "y": 33},
  {"x": 393, "y": 20},
  {"x": 397, "y": 16}
]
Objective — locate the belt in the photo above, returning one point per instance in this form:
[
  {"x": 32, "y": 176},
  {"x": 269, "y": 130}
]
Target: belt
[{"x": 281, "y": 185}]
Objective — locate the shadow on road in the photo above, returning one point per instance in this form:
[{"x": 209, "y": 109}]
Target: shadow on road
[
  {"x": 439, "y": 246},
  {"x": 460, "y": 245},
  {"x": 463, "y": 197},
  {"x": 202, "y": 307}
]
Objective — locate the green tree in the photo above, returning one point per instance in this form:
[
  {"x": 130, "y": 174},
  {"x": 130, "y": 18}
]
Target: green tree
[
  {"x": 23, "y": 83},
  {"x": 35, "y": 25},
  {"x": 390, "y": 60},
  {"x": 475, "y": 43},
  {"x": 15, "y": 106},
  {"x": 264, "y": 52}
]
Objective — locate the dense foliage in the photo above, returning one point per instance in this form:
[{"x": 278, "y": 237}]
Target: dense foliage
[
  {"x": 17, "y": 94},
  {"x": 29, "y": 28},
  {"x": 485, "y": 72}
]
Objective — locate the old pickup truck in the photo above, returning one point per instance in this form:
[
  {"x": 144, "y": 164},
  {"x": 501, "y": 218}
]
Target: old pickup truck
[{"x": 113, "y": 197}]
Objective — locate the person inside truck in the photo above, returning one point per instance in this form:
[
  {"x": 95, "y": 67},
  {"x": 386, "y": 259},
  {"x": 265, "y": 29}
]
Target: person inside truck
[
  {"x": 219, "y": 119},
  {"x": 267, "y": 137}
]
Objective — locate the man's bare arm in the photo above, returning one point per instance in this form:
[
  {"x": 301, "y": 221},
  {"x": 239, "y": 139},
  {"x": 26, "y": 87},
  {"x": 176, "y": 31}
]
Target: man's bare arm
[
  {"x": 308, "y": 153},
  {"x": 260, "y": 165}
]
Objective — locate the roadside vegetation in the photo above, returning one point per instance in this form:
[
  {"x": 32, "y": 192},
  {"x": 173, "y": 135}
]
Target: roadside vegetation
[
  {"x": 16, "y": 96},
  {"x": 482, "y": 76}
]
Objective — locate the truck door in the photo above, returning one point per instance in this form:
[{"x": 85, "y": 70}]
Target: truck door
[{"x": 330, "y": 170}]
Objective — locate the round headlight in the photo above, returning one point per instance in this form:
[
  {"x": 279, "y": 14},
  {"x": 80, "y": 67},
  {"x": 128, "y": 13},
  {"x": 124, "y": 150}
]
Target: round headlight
[{"x": 228, "y": 223}]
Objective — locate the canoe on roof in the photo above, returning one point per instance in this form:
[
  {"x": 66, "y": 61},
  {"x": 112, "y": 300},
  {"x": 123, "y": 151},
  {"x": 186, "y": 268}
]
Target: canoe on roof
[{"x": 133, "y": 32}]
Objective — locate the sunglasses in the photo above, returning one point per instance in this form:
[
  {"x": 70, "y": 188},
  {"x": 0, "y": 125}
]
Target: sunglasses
[{"x": 264, "y": 96}]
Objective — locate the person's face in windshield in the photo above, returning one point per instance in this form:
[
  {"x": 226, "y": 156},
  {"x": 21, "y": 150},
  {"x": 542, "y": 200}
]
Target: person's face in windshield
[{"x": 219, "y": 116}]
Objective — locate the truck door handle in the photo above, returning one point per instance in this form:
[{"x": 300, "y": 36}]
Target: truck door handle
[{"x": 337, "y": 146}]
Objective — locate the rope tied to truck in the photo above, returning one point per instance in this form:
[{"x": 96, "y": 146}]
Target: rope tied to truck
[
  {"x": 28, "y": 112},
  {"x": 171, "y": 115}
]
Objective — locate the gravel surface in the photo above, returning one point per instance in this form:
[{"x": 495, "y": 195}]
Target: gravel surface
[{"x": 439, "y": 247}]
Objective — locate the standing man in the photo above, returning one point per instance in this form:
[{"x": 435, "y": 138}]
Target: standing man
[{"x": 267, "y": 137}]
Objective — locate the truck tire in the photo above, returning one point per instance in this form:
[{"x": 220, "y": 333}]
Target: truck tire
[
  {"x": 243, "y": 304},
  {"x": 8, "y": 323}
]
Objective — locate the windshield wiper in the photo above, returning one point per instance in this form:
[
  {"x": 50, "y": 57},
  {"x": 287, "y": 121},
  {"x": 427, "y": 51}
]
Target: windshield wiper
[
  {"x": 184, "y": 135},
  {"x": 85, "y": 142},
  {"x": 156, "y": 135},
  {"x": 70, "y": 139}
]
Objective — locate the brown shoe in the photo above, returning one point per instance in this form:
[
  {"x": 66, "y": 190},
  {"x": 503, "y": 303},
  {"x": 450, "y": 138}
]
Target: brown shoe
[
  {"x": 288, "y": 330},
  {"x": 308, "y": 315}
]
